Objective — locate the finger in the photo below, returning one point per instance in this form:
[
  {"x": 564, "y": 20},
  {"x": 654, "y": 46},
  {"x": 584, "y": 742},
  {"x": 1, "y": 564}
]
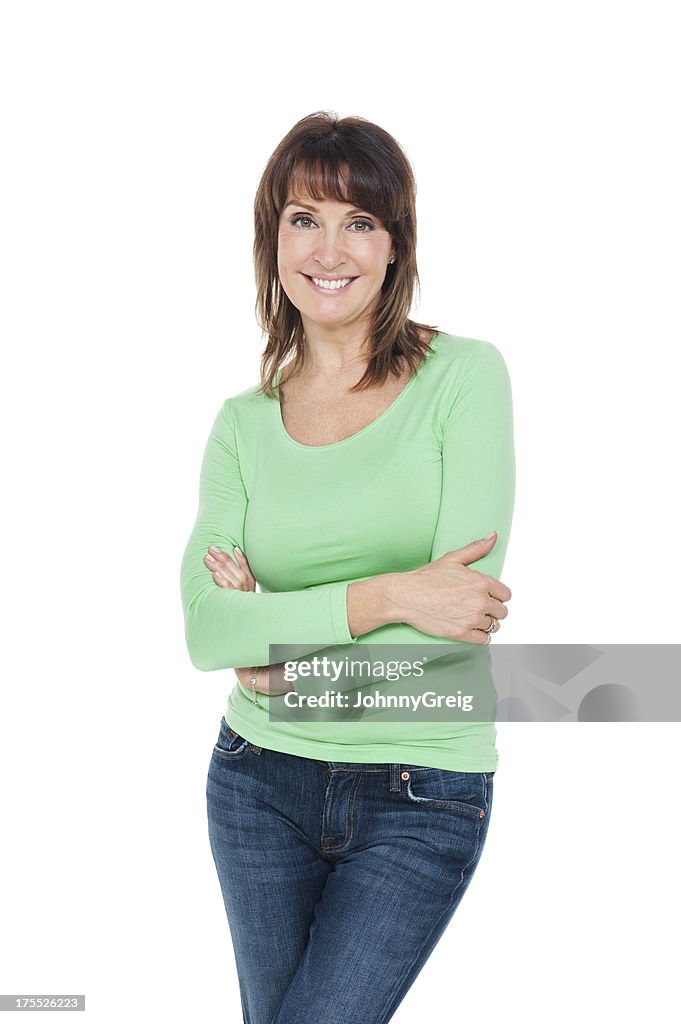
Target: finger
[
  {"x": 225, "y": 565},
  {"x": 219, "y": 558},
  {"x": 497, "y": 589},
  {"x": 222, "y": 562},
  {"x": 243, "y": 563},
  {"x": 222, "y": 557},
  {"x": 219, "y": 565},
  {"x": 500, "y": 591},
  {"x": 222, "y": 581},
  {"x": 481, "y": 637},
  {"x": 496, "y": 608},
  {"x": 491, "y": 625},
  {"x": 228, "y": 573},
  {"x": 231, "y": 576}
]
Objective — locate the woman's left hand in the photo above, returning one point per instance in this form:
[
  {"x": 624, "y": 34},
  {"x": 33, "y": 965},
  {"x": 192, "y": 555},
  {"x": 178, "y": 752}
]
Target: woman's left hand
[{"x": 227, "y": 573}]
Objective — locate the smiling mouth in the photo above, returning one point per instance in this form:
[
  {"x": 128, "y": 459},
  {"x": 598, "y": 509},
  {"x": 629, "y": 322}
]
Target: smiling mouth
[{"x": 330, "y": 287}]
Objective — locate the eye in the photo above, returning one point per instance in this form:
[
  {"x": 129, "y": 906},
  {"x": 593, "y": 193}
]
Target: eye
[
  {"x": 301, "y": 216},
  {"x": 363, "y": 224}
]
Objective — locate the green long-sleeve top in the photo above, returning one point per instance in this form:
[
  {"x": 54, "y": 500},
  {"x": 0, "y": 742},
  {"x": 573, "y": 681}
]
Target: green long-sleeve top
[{"x": 435, "y": 471}]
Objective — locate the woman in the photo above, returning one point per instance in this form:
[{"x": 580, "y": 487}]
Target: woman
[{"x": 355, "y": 484}]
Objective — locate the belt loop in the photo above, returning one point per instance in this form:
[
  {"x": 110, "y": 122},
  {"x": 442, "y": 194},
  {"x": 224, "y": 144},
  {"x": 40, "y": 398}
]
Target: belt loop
[{"x": 395, "y": 784}]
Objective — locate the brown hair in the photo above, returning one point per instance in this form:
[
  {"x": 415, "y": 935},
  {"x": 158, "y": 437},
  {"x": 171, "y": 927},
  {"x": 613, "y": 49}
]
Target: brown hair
[{"x": 323, "y": 155}]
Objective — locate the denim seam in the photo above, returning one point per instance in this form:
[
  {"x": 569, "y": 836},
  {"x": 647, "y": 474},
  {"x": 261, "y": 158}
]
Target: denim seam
[
  {"x": 231, "y": 734},
  {"x": 349, "y": 814},
  {"x": 421, "y": 768},
  {"x": 388, "y": 1010},
  {"x": 458, "y": 805},
  {"x": 231, "y": 755}
]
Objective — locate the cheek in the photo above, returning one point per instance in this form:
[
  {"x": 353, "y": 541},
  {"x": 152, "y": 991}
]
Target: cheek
[
  {"x": 374, "y": 253},
  {"x": 290, "y": 247}
]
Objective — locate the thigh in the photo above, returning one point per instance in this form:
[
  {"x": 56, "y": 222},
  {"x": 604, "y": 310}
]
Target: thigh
[
  {"x": 394, "y": 889},
  {"x": 260, "y": 815}
]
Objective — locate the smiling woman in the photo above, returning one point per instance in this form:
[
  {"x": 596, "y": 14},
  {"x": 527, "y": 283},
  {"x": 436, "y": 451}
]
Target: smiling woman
[
  {"x": 354, "y": 486},
  {"x": 337, "y": 201}
]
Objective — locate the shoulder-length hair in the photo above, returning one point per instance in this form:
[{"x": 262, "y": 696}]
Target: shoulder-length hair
[{"x": 353, "y": 161}]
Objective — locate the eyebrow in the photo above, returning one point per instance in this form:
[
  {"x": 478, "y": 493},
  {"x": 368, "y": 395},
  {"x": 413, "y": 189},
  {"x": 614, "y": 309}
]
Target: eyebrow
[{"x": 296, "y": 202}]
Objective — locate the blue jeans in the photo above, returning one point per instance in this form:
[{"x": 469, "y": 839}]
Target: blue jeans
[{"x": 338, "y": 878}]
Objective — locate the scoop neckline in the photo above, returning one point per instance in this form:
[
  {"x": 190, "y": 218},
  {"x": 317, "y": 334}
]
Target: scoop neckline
[{"x": 360, "y": 433}]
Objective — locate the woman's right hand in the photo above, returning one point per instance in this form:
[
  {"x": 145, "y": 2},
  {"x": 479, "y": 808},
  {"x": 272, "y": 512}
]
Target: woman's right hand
[{"x": 445, "y": 598}]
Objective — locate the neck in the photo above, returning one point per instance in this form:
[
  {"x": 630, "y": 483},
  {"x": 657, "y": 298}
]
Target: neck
[{"x": 330, "y": 356}]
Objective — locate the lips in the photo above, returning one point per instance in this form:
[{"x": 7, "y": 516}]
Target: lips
[{"x": 330, "y": 291}]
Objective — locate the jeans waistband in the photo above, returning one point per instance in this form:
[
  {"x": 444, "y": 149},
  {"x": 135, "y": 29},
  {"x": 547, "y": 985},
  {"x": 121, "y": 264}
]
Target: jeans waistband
[{"x": 352, "y": 766}]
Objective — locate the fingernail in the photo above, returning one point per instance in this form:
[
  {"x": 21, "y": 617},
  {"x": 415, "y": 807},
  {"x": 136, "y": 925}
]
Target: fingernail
[
  {"x": 488, "y": 536},
  {"x": 238, "y": 550},
  {"x": 216, "y": 551},
  {"x": 209, "y": 558}
]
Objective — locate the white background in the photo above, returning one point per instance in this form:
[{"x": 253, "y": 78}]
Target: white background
[{"x": 544, "y": 139}]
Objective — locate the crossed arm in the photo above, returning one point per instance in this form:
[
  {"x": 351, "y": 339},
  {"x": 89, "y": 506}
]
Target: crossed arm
[
  {"x": 235, "y": 574},
  {"x": 228, "y": 625}
]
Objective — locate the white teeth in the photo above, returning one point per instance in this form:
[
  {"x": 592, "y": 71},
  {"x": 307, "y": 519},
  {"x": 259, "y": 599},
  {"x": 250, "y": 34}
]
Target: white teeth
[{"x": 331, "y": 285}]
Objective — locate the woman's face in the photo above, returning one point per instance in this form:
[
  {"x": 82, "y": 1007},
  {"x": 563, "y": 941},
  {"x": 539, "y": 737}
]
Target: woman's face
[{"x": 331, "y": 241}]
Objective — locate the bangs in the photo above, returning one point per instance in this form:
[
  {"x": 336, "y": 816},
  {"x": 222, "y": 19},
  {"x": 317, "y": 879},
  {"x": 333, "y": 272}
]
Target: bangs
[
  {"x": 358, "y": 183},
  {"x": 321, "y": 181}
]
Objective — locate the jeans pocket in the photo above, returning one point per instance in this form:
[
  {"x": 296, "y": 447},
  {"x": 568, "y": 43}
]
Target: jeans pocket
[
  {"x": 230, "y": 745},
  {"x": 462, "y": 792}
]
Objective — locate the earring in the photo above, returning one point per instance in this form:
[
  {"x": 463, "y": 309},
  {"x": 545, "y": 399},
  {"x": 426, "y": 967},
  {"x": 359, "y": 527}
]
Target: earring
[{"x": 391, "y": 260}]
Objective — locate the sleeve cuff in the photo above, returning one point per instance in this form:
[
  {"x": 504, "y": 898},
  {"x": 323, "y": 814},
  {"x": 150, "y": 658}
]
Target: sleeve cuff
[{"x": 339, "y": 613}]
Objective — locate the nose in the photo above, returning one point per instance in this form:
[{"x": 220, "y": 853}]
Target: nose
[{"x": 330, "y": 248}]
